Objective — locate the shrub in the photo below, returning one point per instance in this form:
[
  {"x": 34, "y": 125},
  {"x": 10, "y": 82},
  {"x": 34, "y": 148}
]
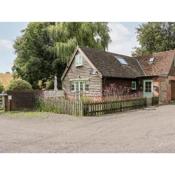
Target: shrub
[
  {"x": 50, "y": 84},
  {"x": 1, "y": 87},
  {"x": 19, "y": 85},
  {"x": 49, "y": 105}
]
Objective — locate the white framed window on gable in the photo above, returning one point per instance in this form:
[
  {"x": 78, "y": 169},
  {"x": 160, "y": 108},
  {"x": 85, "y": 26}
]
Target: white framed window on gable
[
  {"x": 79, "y": 86},
  {"x": 133, "y": 85},
  {"x": 78, "y": 60}
]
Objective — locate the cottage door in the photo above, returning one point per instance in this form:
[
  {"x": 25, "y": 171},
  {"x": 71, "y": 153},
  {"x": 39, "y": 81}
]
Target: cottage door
[
  {"x": 147, "y": 88},
  {"x": 172, "y": 90}
]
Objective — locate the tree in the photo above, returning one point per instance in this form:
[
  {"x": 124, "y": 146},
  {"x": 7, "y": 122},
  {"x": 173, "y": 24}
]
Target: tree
[
  {"x": 155, "y": 37},
  {"x": 19, "y": 85},
  {"x": 44, "y": 48}
]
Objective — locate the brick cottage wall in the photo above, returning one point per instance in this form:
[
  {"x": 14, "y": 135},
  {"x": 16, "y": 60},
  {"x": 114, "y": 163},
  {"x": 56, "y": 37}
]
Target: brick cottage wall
[
  {"x": 121, "y": 87},
  {"x": 163, "y": 86}
]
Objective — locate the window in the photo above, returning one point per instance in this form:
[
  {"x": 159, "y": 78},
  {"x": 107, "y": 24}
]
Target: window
[
  {"x": 151, "y": 60},
  {"x": 78, "y": 60},
  {"x": 133, "y": 85},
  {"x": 79, "y": 86},
  {"x": 121, "y": 60},
  {"x": 86, "y": 87},
  {"x": 148, "y": 86},
  {"x": 72, "y": 87}
]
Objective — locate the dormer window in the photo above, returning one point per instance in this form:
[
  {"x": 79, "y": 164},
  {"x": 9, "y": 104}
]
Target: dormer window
[
  {"x": 78, "y": 60},
  {"x": 151, "y": 60}
]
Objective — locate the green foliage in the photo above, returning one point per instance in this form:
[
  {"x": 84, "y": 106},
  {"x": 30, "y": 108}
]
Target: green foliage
[
  {"x": 19, "y": 85},
  {"x": 155, "y": 37},
  {"x": 1, "y": 87},
  {"x": 50, "y": 84},
  {"x": 44, "y": 48},
  {"x": 48, "y": 106}
]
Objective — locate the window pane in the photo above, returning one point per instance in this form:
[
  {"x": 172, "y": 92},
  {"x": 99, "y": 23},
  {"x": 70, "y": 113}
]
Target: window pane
[
  {"x": 72, "y": 88},
  {"x": 76, "y": 60},
  {"x": 147, "y": 86},
  {"x": 133, "y": 85},
  {"x": 81, "y": 86},
  {"x": 87, "y": 87},
  {"x": 77, "y": 87}
]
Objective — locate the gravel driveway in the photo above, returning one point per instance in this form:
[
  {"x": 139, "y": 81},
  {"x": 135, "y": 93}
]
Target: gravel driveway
[{"x": 148, "y": 130}]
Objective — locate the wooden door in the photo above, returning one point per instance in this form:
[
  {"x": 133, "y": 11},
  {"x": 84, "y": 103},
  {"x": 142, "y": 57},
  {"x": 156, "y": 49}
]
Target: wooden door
[{"x": 172, "y": 90}]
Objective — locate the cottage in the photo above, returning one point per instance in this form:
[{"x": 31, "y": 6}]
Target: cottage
[
  {"x": 161, "y": 69},
  {"x": 96, "y": 74}
]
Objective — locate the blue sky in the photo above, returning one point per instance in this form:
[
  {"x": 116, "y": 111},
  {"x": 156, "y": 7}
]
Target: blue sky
[
  {"x": 8, "y": 33},
  {"x": 123, "y": 36}
]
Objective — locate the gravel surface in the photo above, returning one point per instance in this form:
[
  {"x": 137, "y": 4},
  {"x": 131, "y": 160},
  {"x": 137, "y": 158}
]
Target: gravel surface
[{"x": 148, "y": 130}]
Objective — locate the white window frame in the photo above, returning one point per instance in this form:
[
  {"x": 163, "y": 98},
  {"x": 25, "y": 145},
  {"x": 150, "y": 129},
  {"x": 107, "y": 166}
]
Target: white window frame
[
  {"x": 78, "y": 60},
  {"x": 135, "y": 85},
  {"x": 151, "y": 89},
  {"x": 74, "y": 82}
]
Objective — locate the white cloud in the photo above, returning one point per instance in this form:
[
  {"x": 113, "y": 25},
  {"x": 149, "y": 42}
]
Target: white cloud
[
  {"x": 123, "y": 39},
  {"x": 6, "y": 44}
]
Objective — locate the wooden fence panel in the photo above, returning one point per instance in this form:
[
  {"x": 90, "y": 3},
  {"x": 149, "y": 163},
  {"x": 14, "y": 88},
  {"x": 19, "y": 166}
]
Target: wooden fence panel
[
  {"x": 99, "y": 108},
  {"x": 1, "y": 103},
  {"x": 79, "y": 108}
]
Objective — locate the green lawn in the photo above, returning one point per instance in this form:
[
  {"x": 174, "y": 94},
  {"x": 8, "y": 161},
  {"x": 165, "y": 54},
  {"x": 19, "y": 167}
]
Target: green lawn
[{"x": 23, "y": 114}]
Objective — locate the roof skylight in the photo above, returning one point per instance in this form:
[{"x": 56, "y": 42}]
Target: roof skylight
[
  {"x": 151, "y": 59},
  {"x": 121, "y": 60}
]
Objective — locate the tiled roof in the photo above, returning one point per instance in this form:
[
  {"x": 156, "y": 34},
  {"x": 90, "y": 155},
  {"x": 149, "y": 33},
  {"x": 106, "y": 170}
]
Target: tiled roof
[
  {"x": 109, "y": 66},
  {"x": 161, "y": 64}
]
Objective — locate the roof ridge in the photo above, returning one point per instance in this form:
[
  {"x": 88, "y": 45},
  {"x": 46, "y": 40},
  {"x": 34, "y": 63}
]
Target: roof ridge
[
  {"x": 107, "y": 52},
  {"x": 164, "y": 51}
]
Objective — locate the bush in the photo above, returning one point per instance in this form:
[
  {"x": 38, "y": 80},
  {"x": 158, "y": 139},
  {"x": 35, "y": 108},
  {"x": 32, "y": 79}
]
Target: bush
[
  {"x": 19, "y": 85},
  {"x": 1, "y": 87},
  {"x": 50, "y": 84}
]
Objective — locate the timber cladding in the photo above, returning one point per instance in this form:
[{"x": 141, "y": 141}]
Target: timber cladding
[{"x": 83, "y": 73}]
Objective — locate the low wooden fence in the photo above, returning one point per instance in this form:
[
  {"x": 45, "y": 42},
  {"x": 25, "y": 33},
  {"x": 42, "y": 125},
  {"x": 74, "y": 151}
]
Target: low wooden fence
[
  {"x": 61, "y": 106},
  {"x": 35, "y": 100},
  {"x": 80, "y": 108},
  {"x": 1, "y": 102},
  {"x": 94, "y": 109}
]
